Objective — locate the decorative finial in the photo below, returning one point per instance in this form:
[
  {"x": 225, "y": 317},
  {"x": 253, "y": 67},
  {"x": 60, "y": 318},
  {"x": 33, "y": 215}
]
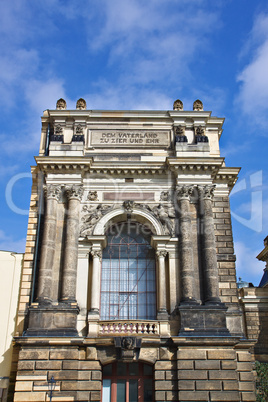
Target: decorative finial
[
  {"x": 61, "y": 104},
  {"x": 178, "y": 105},
  {"x": 81, "y": 104},
  {"x": 198, "y": 106}
]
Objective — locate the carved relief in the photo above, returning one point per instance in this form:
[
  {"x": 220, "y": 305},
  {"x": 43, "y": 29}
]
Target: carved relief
[
  {"x": 81, "y": 104},
  {"x": 198, "y": 106},
  {"x": 128, "y": 348},
  {"x": 129, "y": 205},
  {"x": 180, "y": 134},
  {"x": 92, "y": 196},
  {"x": 57, "y": 133},
  {"x": 184, "y": 191},
  {"x": 206, "y": 192},
  {"x": 91, "y": 217},
  {"x": 165, "y": 196},
  {"x": 61, "y": 104},
  {"x": 96, "y": 254},
  {"x": 74, "y": 192},
  {"x": 127, "y": 343},
  {"x": 178, "y": 105},
  {"x": 52, "y": 191},
  {"x": 78, "y": 134},
  {"x": 165, "y": 214},
  {"x": 161, "y": 253},
  {"x": 200, "y": 134},
  {"x": 58, "y": 129},
  {"x": 79, "y": 129}
]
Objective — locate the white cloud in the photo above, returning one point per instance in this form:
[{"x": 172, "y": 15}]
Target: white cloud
[
  {"x": 253, "y": 94},
  {"x": 247, "y": 266},
  {"x": 147, "y": 42},
  {"x": 43, "y": 95},
  {"x": 113, "y": 96},
  {"x": 7, "y": 243}
]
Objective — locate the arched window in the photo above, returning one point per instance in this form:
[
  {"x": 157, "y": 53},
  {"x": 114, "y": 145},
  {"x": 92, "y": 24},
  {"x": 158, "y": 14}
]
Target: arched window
[{"x": 128, "y": 284}]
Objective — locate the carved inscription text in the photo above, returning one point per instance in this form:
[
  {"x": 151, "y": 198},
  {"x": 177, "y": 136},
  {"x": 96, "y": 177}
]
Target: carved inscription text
[{"x": 129, "y": 138}]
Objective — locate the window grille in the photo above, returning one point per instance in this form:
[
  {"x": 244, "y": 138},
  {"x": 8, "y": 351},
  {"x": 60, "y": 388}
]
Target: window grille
[{"x": 128, "y": 284}]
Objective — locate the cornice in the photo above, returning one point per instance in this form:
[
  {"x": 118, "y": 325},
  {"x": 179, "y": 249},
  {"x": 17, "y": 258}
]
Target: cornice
[
  {"x": 50, "y": 163},
  {"x": 263, "y": 255},
  {"x": 169, "y": 116},
  {"x": 227, "y": 175},
  {"x": 194, "y": 163},
  {"x": 179, "y": 165}
]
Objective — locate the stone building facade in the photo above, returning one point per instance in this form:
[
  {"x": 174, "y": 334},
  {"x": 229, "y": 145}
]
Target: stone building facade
[
  {"x": 254, "y": 303},
  {"x": 129, "y": 282}
]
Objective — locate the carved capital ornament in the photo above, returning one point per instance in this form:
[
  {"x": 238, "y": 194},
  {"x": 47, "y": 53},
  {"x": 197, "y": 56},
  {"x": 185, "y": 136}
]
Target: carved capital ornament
[
  {"x": 52, "y": 191},
  {"x": 74, "y": 192},
  {"x": 184, "y": 192}
]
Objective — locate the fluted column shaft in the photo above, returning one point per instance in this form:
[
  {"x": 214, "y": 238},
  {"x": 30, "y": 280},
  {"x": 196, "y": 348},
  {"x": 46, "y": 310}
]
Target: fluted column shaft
[
  {"x": 74, "y": 194},
  {"x": 95, "y": 290},
  {"x": 44, "y": 289},
  {"x": 162, "y": 292},
  {"x": 186, "y": 244},
  {"x": 209, "y": 246}
]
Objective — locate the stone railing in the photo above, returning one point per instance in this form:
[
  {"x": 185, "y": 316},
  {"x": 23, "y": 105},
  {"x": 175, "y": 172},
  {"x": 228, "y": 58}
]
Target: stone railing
[{"x": 123, "y": 327}]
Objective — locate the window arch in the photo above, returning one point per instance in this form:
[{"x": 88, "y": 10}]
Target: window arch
[{"x": 128, "y": 283}]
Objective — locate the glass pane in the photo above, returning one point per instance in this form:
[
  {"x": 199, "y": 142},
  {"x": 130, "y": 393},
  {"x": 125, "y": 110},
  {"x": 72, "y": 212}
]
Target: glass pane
[
  {"x": 147, "y": 370},
  {"x": 128, "y": 274},
  {"x": 133, "y": 391},
  {"x": 106, "y": 391},
  {"x": 107, "y": 370},
  {"x": 148, "y": 390},
  {"x": 121, "y": 369},
  {"x": 121, "y": 391},
  {"x": 134, "y": 369}
]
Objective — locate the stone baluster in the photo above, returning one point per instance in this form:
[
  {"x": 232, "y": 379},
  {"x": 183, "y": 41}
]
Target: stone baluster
[
  {"x": 44, "y": 290},
  {"x": 211, "y": 280},
  {"x": 162, "y": 292},
  {"x": 95, "y": 289},
  {"x": 186, "y": 244},
  {"x": 74, "y": 194}
]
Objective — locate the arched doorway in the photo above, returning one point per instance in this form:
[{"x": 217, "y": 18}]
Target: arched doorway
[
  {"x": 127, "y": 382},
  {"x": 128, "y": 279}
]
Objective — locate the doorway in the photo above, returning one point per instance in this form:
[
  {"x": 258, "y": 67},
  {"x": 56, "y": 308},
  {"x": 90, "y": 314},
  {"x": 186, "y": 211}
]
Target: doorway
[{"x": 127, "y": 382}]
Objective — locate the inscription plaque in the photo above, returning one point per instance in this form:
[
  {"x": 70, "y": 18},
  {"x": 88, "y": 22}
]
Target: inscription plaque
[{"x": 129, "y": 138}]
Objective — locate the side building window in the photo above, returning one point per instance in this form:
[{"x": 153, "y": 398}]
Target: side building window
[{"x": 128, "y": 282}]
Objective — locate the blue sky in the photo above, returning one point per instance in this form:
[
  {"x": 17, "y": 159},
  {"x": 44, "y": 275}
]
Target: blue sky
[{"x": 136, "y": 54}]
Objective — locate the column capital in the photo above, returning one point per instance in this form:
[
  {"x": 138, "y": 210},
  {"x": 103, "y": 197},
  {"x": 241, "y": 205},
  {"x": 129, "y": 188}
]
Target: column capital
[
  {"x": 184, "y": 191},
  {"x": 74, "y": 191},
  {"x": 96, "y": 253},
  {"x": 206, "y": 192},
  {"x": 161, "y": 253},
  {"x": 52, "y": 191}
]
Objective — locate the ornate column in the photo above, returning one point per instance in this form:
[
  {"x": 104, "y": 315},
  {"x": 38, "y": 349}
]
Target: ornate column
[
  {"x": 211, "y": 279},
  {"x": 44, "y": 291},
  {"x": 95, "y": 290},
  {"x": 162, "y": 292},
  {"x": 186, "y": 244},
  {"x": 74, "y": 194}
]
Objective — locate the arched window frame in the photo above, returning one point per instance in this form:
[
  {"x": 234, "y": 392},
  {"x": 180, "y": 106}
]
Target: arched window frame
[{"x": 128, "y": 276}]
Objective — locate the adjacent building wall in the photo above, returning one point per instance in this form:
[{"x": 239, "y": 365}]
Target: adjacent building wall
[{"x": 10, "y": 273}]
